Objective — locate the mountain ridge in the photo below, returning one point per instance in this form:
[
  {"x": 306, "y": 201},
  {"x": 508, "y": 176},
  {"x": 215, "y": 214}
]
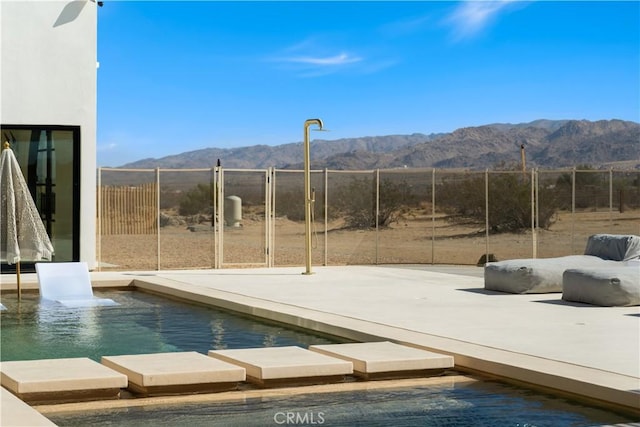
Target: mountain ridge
[{"x": 548, "y": 144}]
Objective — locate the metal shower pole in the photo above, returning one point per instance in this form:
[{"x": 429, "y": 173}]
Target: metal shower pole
[{"x": 307, "y": 192}]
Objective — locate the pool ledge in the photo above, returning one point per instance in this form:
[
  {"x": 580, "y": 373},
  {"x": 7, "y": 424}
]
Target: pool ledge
[{"x": 17, "y": 413}]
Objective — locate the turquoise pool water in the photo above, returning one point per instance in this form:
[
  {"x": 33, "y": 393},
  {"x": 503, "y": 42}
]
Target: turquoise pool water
[
  {"x": 489, "y": 404},
  {"x": 141, "y": 323}
]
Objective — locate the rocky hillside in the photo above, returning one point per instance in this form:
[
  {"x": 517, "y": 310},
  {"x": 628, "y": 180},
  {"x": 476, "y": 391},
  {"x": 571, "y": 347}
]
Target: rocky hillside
[{"x": 548, "y": 144}]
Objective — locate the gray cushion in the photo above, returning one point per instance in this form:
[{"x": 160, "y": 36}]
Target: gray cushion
[
  {"x": 535, "y": 276},
  {"x": 542, "y": 275},
  {"x": 614, "y": 247},
  {"x": 604, "y": 286}
]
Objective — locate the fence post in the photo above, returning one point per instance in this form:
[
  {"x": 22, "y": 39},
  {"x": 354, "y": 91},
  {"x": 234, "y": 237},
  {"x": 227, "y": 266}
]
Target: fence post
[
  {"x": 212, "y": 185},
  {"x": 270, "y": 210},
  {"x": 610, "y": 198},
  {"x": 220, "y": 258},
  {"x": 433, "y": 215},
  {"x": 377, "y": 216},
  {"x": 486, "y": 213},
  {"x": 573, "y": 208},
  {"x": 534, "y": 214},
  {"x": 326, "y": 216},
  {"x": 268, "y": 216},
  {"x": 216, "y": 218},
  {"x": 158, "y": 218},
  {"x": 99, "y": 221}
]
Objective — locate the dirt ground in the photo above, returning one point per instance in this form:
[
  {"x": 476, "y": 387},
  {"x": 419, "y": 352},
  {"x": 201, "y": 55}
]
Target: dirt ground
[{"x": 417, "y": 238}]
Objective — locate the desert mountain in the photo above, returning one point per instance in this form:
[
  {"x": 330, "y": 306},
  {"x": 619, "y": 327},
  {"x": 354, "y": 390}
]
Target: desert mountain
[{"x": 548, "y": 144}]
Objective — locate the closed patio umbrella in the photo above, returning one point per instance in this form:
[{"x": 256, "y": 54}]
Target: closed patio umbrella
[{"x": 22, "y": 234}]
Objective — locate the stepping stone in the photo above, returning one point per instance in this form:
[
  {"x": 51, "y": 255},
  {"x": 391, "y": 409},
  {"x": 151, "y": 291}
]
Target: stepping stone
[
  {"x": 61, "y": 380},
  {"x": 378, "y": 360},
  {"x": 278, "y": 366},
  {"x": 176, "y": 373}
]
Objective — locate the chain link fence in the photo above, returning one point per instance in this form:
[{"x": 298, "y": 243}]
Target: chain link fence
[{"x": 217, "y": 218}]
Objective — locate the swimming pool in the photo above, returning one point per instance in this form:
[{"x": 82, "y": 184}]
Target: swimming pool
[
  {"x": 469, "y": 403},
  {"x": 141, "y": 323}
]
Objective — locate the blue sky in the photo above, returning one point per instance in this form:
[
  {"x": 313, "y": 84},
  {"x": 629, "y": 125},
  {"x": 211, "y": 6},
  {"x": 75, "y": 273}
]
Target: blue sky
[{"x": 178, "y": 76}]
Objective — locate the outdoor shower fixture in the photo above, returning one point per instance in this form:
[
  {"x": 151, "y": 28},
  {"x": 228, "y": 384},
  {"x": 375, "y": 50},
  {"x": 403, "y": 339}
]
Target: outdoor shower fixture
[{"x": 308, "y": 199}]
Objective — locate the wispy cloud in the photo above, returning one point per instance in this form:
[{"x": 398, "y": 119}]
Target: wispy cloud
[
  {"x": 406, "y": 26},
  {"x": 317, "y": 57},
  {"x": 336, "y": 60},
  {"x": 471, "y": 17},
  {"x": 317, "y": 66},
  {"x": 107, "y": 147},
  {"x": 322, "y": 61}
]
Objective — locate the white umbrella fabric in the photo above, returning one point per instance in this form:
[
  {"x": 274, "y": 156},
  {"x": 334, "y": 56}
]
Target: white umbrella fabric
[{"x": 22, "y": 234}]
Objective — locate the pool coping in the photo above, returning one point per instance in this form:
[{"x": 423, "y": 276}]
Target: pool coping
[{"x": 605, "y": 388}]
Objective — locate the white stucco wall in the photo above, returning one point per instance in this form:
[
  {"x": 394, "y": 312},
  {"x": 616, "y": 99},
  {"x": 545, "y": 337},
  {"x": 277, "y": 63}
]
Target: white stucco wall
[{"x": 48, "y": 77}]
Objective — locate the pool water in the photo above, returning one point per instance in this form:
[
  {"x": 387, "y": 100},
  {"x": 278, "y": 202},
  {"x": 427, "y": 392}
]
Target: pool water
[
  {"x": 141, "y": 323},
  {"x": 483, "y": 403}
]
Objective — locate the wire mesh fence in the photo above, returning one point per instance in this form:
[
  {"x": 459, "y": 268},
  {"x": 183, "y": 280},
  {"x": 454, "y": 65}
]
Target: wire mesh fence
[{"x": 217, "y": 218}]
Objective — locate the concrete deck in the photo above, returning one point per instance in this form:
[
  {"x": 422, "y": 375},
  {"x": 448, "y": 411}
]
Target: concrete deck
[{"x": 541, "y": 340}]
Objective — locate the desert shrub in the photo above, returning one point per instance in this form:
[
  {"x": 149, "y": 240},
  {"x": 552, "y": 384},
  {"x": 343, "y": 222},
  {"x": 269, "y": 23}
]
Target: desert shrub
[
  {"x": 170, "y": 198},
  {"x": 509, "y": 202},
  {"x": 463, "y": 199},
  {"x": 626, "y": 190},
  {"x": 356, "y": 201},
  {"x": 197, "y": 200},
  {"x": 290, "y": 204},
  {"x": 591, "y": 186}
]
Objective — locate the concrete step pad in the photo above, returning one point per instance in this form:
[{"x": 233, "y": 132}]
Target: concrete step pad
[
  {"x": 176, "y": 373},
  {"x": 61, "y": 380},
  {"x": 385, "y": 359},
  {"x": 274, "y": 366}
]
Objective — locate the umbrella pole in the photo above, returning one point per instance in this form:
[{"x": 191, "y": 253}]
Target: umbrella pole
[{"x": 18, "y": 279}]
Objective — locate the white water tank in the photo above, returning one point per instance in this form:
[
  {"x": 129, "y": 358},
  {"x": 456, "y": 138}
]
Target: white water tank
[{"x": 232, "y": 211}]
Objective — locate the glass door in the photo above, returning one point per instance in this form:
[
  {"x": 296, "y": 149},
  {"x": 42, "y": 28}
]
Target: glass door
[{"x": 49, "y": 157}]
